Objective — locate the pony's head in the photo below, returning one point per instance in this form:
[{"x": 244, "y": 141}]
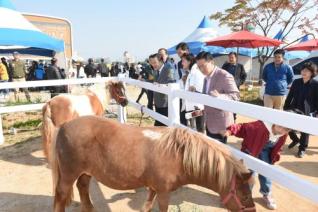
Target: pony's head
[
  {"x": 117, "y": 92},
  {"x": 237, "y": 196}
]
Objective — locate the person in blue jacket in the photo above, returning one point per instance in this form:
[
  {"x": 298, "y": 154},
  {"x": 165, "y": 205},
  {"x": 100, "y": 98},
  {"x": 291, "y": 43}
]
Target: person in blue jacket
[
  {"x": 39, "y": 72},
  {"x": 277, "y": 76}
]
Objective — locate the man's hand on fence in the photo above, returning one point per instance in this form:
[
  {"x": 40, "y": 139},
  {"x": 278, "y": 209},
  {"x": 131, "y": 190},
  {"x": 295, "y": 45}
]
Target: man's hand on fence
[
  {"x": 225, "y": 133},
  {"x": 214, "y": 93}
]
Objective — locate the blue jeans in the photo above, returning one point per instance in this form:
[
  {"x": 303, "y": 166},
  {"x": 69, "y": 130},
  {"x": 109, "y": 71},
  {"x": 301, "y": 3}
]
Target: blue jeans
[{"x": 265, "y": 183}]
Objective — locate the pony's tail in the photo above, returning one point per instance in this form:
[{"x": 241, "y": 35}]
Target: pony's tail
[
  {"x": 56, "y": 174},
  {"x": 47, "y": 130}
]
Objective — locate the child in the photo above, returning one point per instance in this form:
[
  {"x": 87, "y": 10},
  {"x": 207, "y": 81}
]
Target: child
[{"x": 264, "y": 141}]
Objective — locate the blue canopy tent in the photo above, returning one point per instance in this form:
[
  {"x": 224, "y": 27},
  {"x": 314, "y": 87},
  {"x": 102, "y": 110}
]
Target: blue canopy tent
[
  {"x": 18, "y": 34},
  {"x": 205, "y": 32}
]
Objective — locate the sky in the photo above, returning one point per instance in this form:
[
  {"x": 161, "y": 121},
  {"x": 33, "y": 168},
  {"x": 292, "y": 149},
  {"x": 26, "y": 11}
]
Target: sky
[{"x": 107, "y": 28}]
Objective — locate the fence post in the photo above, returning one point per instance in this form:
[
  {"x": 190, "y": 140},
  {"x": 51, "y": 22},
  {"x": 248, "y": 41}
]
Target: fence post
[
  {"x": 122, "y": 113},
  {"x": 1, "y": 132},
  {"x": 122, "y": 117},
  {"x": 173, "y": 105}
]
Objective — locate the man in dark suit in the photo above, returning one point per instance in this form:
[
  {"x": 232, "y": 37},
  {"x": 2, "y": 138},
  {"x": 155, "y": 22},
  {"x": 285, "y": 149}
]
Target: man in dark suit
[
  {"x": 163, "y": 53},
  {"x": 235, "y": 69},
  {"x": 164, "y": 76}
]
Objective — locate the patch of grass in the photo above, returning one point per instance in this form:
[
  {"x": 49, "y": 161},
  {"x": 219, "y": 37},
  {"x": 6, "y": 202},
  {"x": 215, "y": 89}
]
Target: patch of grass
[
  {"x": 38, "y": 100},
  {"x": 146, "y": 121},
  {"x": 251, "y": 96},
  {"x": 27, "y": 124},
  {"x": 33, "y": 113},
  {"x": 134, "y": 115},
  {"x": 16, "y": 103}
]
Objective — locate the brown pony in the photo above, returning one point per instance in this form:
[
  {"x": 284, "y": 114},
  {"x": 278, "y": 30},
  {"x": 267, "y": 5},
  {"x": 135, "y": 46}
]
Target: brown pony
[
  {"x": 128, "y": 157},
  {"x": 66, "y": 107}
]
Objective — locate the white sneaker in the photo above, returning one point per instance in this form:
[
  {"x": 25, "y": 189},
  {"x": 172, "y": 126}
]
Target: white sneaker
[{"x": 270, "y": 202}]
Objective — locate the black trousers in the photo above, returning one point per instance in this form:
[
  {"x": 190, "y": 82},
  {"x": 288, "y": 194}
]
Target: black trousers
[
  {"x": 142, "y": 92},
  {"x": 162, "y": 111},
  {"x": 150, "y": 100},
  {"x": 199, "y": 122},
  {"x": 104, "y": 74},
  {"x": 183, "y": 120},
  {"x": 56, "y": 90},
  {"x": 302, "y": 140},
  {"x": 218, "y": 137}
]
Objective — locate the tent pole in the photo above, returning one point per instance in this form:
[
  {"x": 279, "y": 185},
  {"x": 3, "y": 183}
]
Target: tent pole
[{"x": 251, "y": 70}]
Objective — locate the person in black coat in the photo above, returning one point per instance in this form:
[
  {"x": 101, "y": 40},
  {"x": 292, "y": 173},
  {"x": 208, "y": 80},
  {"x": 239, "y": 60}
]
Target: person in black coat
[
  {"x": 236, "y": 69},
  {"x": 53, "y": 73},
  {"x": 102, "y": 68},
  {"x": 147, "y": 74},
  {"x": 314, "y": 96},
  {"x": 90, "y": 69},
  {"x": 303, "y": 98}
]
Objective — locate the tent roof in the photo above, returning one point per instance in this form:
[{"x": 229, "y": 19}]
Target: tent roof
[
  {"x": 205, "y": 32},
  {"x": 205, "y": 23},
  {"x": 196, "y": 39},
  {"x": 15, "y": 30},
  {"x": 202, "y": 33}
]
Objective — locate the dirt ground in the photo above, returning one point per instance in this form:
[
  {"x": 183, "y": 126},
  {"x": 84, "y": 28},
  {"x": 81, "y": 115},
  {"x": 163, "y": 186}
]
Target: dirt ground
[{"x": 25, "y": 181}]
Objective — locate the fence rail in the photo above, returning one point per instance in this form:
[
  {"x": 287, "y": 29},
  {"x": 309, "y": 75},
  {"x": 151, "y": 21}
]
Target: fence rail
[
  {"x": 44, "y": 83},
  {"x": 282, "y": 177}
]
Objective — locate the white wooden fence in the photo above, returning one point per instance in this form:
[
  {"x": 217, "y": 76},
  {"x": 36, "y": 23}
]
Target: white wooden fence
[{"x": 294, "y": 121}]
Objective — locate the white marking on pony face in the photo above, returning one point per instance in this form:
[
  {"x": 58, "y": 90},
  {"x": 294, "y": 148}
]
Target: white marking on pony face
[{"x": 153, "y": 135}]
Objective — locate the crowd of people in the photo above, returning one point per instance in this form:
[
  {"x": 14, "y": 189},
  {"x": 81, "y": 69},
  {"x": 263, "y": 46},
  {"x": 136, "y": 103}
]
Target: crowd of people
[
  {"x": 200, "y": 74},
  {"x": 18, "y": 70}
]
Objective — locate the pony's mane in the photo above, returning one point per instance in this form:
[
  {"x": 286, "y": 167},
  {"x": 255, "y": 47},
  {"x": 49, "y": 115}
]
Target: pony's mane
[{"x": 201, "y": 155}]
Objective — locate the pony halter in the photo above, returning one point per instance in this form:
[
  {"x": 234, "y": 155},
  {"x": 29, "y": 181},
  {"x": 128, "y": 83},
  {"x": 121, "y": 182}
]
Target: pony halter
[{"x": 232, "y": 194}]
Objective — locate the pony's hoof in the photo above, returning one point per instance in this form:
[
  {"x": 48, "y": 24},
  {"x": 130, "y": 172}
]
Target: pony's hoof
[{"x": 146, "y": 208}]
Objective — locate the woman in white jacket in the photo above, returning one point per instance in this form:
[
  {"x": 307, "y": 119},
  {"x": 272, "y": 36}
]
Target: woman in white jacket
[{"x": 193, "y": 83}]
